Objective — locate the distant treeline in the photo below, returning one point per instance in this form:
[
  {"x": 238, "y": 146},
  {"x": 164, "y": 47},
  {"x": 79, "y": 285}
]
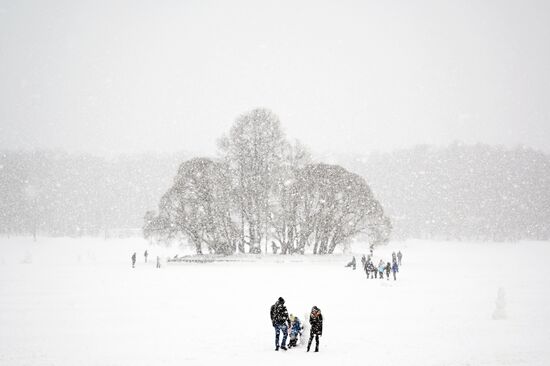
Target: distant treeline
[
  {"x": 458, "y": 192},
  {"x": 461, "y": 192},
  {"x": 60, "y": 194}
]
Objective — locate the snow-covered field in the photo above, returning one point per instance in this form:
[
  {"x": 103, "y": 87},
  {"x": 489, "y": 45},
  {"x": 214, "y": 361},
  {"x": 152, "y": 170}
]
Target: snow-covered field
[{"x": 78, "y": 302}]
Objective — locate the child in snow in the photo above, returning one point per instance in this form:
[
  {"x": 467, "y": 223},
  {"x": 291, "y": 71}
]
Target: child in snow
[
  {"x": 388, "y": 269},
  {"x": 295, "y": 330},
  {"x": 381, "y": 268},
  {"x": 316, "y": 321},
  {"x": 280, "y": 321}
]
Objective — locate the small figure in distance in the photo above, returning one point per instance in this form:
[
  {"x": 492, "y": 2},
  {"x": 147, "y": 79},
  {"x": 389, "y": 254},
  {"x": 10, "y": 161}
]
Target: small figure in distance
[
  {"x": 399, "y": 256},
  {"x": 134, "y": 260},
  {"x": 394, "y": 269},
  {"x": 145, "y": 255},
  {"x": 381, "y": 268},
  {"x": 369, "y": 268},
  {"x": 353, "y": 263}
]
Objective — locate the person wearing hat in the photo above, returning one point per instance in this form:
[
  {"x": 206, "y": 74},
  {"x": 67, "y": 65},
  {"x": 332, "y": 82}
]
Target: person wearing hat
[
  {"x": 295, "y": 330},
  {"x": 316, "y": 321},
  {"x": 280, "y": 321}
]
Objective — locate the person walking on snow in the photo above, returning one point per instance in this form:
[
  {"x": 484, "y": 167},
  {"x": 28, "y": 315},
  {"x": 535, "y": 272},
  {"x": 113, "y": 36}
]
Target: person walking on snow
[
  {"x": 158, "y": 261},
  {"x": 388, "y": 269},
  {"x": 394, "y": 269},
  {"x": 134, "y": 260},
  {"x": 381, "y": 268},
  {"x": 399, "y": 256},
  {"x": 369, "y": 268},
  {"x": 316, "y": 321},
  {"x": 280, "y": 321},
  {"x": 145, "y": 255}
]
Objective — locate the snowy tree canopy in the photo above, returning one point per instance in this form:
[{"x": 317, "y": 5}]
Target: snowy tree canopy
[{"x": 264, "y": 188}]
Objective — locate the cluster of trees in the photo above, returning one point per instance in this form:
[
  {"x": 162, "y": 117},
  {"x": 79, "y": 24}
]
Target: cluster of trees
[
  {"x": 461, "y": 192},
  {"x": 264, "y": 189},
  {"x": 59, "y": 194}
]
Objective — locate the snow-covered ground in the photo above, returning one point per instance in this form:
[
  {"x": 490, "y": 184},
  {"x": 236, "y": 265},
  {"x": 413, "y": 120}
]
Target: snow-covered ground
[{"x": 79, "y": 302}]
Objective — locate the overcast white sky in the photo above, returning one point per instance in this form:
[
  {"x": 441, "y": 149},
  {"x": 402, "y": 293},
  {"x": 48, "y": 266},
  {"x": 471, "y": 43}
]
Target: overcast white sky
[{"x": 346, "y": 76}]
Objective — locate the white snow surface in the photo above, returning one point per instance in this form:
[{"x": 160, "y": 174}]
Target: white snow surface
[{"x": 79, "y": 302}]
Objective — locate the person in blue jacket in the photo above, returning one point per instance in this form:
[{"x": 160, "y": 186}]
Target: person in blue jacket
[
  {"x": 295, "y": 330},
  {"x": 381, "y": 268},
  {"x": 394, "y": 269}
]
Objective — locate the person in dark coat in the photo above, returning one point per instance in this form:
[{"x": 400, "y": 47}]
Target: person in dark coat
[
  {"x": 388, "y": 270},
  {"x": 353, "y": 263},
  {"x": 369, "y": 268},
  {"x": 316, "y": 321},
  {"x": 280, "y": 321},
  {"x": 133, "y": 260}
]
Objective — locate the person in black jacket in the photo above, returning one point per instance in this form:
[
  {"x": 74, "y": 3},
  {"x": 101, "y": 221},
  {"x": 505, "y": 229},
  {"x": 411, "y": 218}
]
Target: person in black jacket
[
  {"x": 280, "y": 321},
  {"x": 353, "y": 263},
  {"x": 316, "y": 321}
]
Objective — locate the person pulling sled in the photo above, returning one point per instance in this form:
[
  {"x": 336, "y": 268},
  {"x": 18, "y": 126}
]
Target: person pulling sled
[{"x": 353, "y": 263}]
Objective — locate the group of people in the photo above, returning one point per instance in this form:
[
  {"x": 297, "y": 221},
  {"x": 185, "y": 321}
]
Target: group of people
[
  {"x": 291, "y": 325},
  {"x": 377, "y": 271},
  {"x": 146, "y": 254}
]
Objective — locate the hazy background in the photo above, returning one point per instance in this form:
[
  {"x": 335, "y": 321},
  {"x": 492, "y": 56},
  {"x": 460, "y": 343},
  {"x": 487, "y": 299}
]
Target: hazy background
[{"x": 345, "y": 76}]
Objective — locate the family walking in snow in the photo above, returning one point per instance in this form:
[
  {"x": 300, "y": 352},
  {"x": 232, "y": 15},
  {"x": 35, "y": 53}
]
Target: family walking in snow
[
  {"x": 377, "y": 271},
  {"x": 291, "y": 324}
]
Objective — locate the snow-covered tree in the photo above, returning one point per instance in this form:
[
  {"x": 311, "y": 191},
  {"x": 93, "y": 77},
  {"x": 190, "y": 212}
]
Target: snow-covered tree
[
  {"x": 197, "y": 206},
  {"x": 334, "y": 206},
  {"x": 287, "y": 198},
  {"x": 253, "y": 151}
]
